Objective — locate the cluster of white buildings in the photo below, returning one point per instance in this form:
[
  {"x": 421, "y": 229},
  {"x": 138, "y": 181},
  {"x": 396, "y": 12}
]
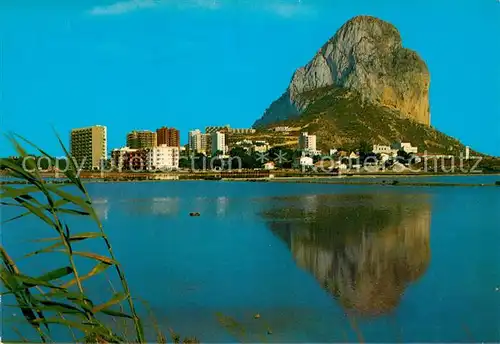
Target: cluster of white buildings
[
  {"x": 258, "y": 146},
  {"x": 387, "y": 152},
  {"x": 161, "y": 157},
  {"x": 214, "y": 140},
  {"x": 227, "y": 129},
  {"x": 307, "y": 144},
  {"x": 281, "y": 129}
]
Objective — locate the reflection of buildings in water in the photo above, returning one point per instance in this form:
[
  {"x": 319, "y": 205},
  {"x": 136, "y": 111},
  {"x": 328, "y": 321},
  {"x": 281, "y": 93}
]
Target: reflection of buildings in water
[
  {"x": 364, "y": 254},
  {"x": 210, "y": 204},
  {"x": 201, "y": 200},
  {"x": 164, "y": 205},
  {"x": 200, "y": 204},
  {"x": 222, "y": 203},
  {"x": 101, "y": 207}
]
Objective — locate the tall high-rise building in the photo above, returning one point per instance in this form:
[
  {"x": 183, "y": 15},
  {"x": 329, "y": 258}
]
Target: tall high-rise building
[
  {"x": 218, "y": 143},
  {"x": 89, "y": 146},
  {"x": 138, "y": 139},
  {"x": 206, "y": 142},
  {"x": 194, "y": 141},
  {"x": 168, "y": 136},
  {"x": 307, "y": 142}
]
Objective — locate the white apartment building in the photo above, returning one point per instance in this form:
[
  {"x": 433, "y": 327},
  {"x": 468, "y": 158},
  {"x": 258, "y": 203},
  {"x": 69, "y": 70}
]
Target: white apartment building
[
  {"x": 219, "y": 143},
  {"x": 259, "y": 149},
  {"x": 405, "y": 146},
  {"x": 307, "y": 142},
  {"x": 303, "y": 161},
  {"x": 195, "y": 141},
  {"x": 244, "y": 131},
  {"x": 162, "y": 158},
  {"x": 281, "y": 129},
  {"x": 380, "y": 149},
  {"x": 227, "y": 128}
]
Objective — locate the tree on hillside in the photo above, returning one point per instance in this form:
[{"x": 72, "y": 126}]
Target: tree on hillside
[
  {"x": 403, "y": 156},
  {"x": 283, "y": 157},
  {"x": 248, "y": 161},
  {"x": 365, "y": 147}
]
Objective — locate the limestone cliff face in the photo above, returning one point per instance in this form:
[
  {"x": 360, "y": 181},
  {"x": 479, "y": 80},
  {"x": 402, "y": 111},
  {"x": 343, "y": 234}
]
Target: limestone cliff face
[{"x": 365, "y": 55}]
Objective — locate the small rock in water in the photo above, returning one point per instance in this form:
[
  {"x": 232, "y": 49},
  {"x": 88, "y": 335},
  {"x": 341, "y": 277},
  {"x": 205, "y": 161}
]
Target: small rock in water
[{"x": 256, "y": 316}]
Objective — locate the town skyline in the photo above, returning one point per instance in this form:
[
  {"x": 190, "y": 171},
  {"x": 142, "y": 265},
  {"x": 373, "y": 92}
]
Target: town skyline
[
  {"x": 144, "y": 65},
  {"x": 285, "y": 148}
]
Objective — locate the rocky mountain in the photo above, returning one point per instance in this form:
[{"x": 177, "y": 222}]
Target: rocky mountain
[
  {"x": 365, "y": 56},
  {"x": 341, "y": 119}
]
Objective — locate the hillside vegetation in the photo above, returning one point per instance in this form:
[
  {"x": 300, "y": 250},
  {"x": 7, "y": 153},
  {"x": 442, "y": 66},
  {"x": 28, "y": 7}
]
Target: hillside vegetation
[{"x": 341, "y": 119}]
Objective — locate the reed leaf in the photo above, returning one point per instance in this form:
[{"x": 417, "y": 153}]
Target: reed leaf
[
  {"x": 35, "y": 210},
  {"x": 100, "y": 267},
  {"x": 54, "y": 203},
  {"x": 85, "y": 327},
  {"x": 10, "y": 192},
  {"x": 70, "y": 172},
  {"x": 57, "y": 204},
  {"x": 8, "y": 275},
  {"x": 32, "y": 145},
  {"x": 117, "y": 298},
  {"x": 53, "y": 306},
  {"x": 94, "y": 256},
  {"x": 48, "y": 249},
  {"x": 76, "y": 237},
  {"x": 30, "y": 282},
  {"x": 116, "y": 313},
  {"x": 15, "y": 217},
  {"x": 72, "y": 211},
  {"x": 23, "y": 338},
  {"x": 85, "y": 205},
  {"x": 73, "y": 296},
  {"x": 56, "y": 274},
  {"x": 18, "y": 172}
]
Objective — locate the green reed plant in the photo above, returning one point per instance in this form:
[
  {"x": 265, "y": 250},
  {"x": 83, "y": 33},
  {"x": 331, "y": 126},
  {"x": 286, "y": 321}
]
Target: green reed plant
[{"x": 58, "y": 297}]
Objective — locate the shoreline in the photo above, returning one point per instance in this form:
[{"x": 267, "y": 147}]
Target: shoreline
[{"x": 355, "y": 179}]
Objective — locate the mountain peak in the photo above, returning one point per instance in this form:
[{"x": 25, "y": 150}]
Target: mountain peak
[{"x": 365, "y": 55}]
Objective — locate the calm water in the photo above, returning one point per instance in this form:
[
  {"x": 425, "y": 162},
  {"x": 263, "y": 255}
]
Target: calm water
[
  {"x": 442, "y": 179},
  {"x": 319, "y": 263}
]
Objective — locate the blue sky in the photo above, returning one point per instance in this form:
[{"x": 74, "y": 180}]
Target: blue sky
[{"x": 142, "y": 64}]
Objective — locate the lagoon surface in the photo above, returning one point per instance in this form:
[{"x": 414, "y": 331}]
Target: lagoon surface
[{"x": 319, "y": 263}]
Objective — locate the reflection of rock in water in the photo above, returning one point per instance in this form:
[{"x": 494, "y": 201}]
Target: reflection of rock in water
[{"x": 364, "y": 250}]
